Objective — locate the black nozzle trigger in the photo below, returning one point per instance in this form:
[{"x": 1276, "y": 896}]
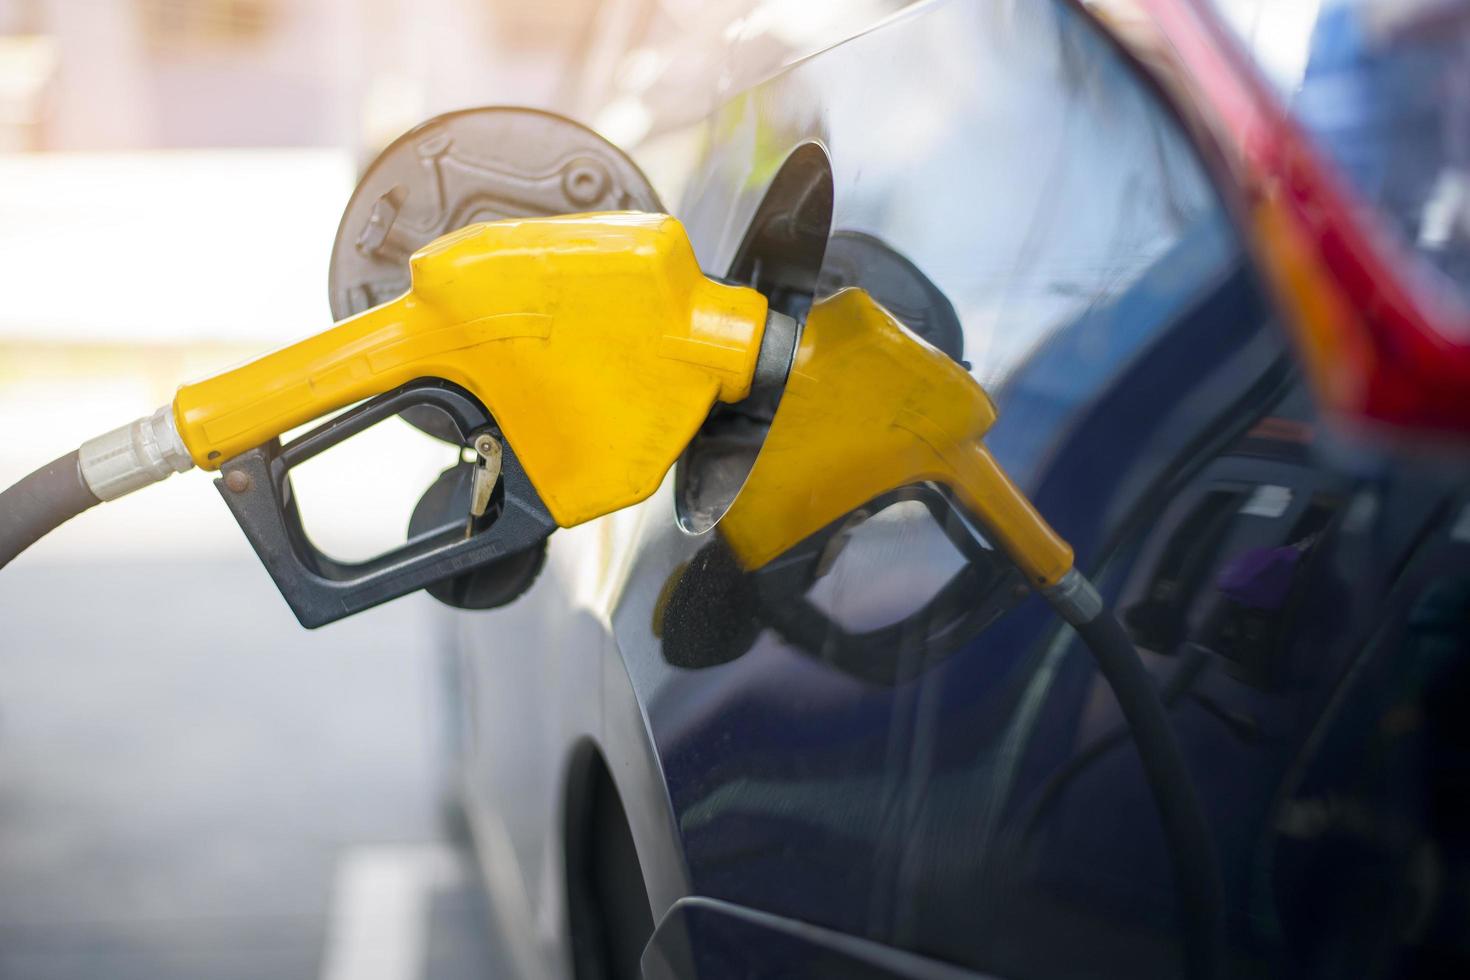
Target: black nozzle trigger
[{"x": 257, "y": 487}]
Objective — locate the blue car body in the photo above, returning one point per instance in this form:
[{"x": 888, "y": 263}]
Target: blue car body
[{"x": 883, "y": 759}]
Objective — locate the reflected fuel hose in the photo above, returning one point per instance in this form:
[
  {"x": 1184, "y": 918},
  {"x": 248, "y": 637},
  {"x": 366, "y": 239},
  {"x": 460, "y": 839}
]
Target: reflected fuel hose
[{"x": 1186, "y": 829}]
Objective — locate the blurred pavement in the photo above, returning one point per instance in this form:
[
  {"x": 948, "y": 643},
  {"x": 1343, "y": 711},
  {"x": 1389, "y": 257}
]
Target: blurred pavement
[{"x": 226, "y": 795}]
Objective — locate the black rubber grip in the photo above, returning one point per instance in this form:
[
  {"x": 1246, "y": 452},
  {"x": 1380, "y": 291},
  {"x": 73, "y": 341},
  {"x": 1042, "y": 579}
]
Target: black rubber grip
[{"x": 40, "y": 503}]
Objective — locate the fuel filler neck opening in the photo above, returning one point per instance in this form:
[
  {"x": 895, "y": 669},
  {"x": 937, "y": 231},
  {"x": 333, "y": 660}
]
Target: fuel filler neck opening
[{"x": 781, "y": 257}]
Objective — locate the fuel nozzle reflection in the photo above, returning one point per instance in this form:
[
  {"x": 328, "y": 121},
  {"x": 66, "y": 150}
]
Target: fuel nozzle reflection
[
  {"x": 869, "y": 407},
  {"x": 874, "y": 425}
]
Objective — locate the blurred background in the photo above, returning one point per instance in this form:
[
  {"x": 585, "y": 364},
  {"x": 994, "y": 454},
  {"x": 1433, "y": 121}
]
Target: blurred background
[{"x": 227, "y": 795}]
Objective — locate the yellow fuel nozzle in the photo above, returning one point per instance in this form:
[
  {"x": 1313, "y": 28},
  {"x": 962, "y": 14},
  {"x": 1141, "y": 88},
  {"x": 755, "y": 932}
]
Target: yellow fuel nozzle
[
  {"x": 868, "y": 408},
  {"x": 594, "y": 340}
]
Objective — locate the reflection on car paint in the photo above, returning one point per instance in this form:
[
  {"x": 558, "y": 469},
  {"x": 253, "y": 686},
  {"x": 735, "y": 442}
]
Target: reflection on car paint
[
  {"x": 1383, "y": 86},
  {"x": 952, "y": 776}
]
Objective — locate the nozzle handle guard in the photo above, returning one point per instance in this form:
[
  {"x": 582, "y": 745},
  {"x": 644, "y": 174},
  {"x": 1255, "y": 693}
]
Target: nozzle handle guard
[{"x": 256, "y": 485}]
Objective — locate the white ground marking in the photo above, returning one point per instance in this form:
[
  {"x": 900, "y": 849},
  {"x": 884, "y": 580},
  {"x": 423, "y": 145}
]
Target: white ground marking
[{"x": 380, "y": 910}]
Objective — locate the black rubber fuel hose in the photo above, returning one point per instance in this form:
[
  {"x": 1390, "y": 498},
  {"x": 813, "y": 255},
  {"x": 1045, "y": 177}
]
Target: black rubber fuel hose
[
  {"x": 1196, "y": 865},
  {"x": 41, "y": 503}
]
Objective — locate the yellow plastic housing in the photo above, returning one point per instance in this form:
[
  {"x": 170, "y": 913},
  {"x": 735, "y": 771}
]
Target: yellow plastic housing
[
  {"x": 869, "y": 407},
  {"x": 594, "y": 340}
]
